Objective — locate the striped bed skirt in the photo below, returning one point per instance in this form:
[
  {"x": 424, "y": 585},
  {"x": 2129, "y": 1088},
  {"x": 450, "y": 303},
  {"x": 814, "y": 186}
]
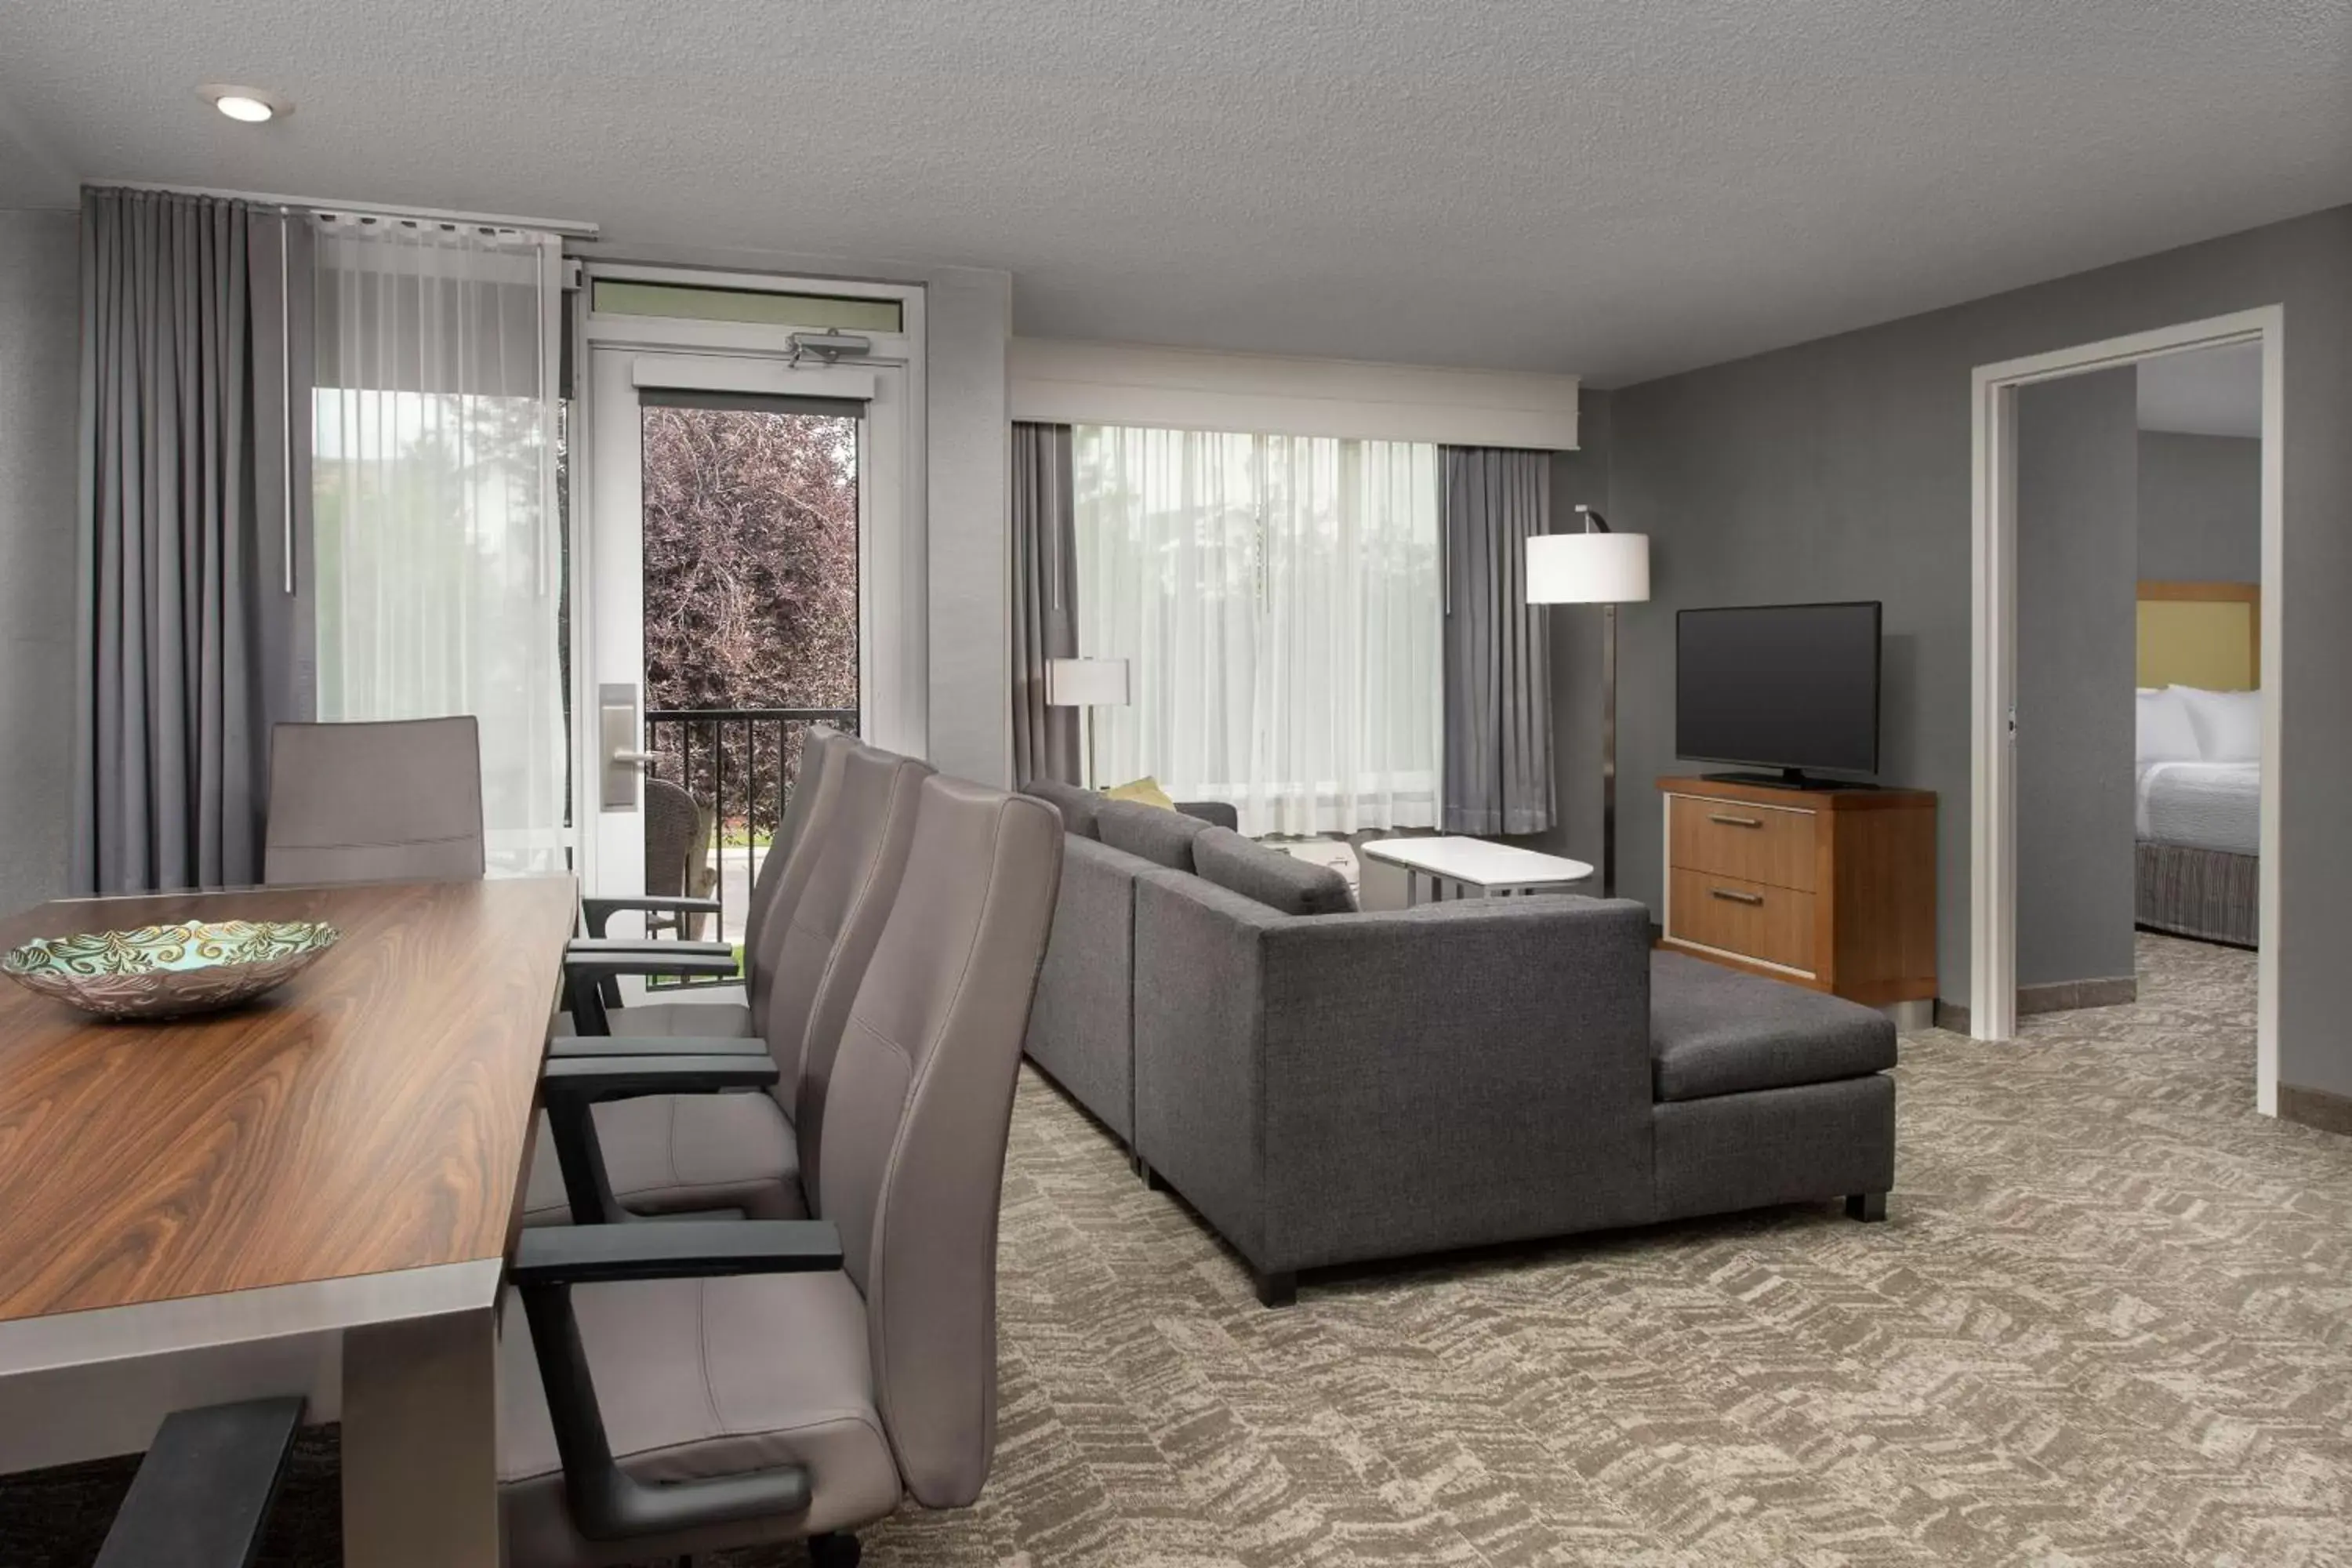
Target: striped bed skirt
[{"x": 2209, "y": 894}]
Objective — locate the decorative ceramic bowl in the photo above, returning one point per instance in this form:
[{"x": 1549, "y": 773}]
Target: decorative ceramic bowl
[{"x": 169, "y": 971}]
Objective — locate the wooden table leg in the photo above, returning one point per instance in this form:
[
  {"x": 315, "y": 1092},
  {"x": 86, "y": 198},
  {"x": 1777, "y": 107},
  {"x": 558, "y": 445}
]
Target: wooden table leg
[{"x": 421, "y": 1443}]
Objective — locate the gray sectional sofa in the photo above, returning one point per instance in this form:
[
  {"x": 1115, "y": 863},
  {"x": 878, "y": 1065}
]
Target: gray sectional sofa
[{"x": 1326, "y": 1086}]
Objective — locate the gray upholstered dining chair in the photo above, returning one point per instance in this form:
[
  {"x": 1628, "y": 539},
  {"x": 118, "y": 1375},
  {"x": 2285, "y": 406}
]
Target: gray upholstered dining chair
[
  {"x": 399, "y": 800},
  {"x": 774, "y": 893},
  {"x": 698, "y": 1385},
  {"x": 670, "y": 1153}
]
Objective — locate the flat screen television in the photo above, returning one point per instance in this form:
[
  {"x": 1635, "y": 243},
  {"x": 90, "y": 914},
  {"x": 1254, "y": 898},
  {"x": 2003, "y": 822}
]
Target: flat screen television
[{"x": 1793, "y": 686}]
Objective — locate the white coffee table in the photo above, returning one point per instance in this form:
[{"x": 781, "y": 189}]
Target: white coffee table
[{"x": 1461, "y": 869}]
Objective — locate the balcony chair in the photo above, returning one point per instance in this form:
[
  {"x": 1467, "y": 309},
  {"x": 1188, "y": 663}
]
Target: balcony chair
[
  {"x": 700, "y": 1385},
  {"x": 610, "y": 1150},
  {"x": 679, "y": 830}
]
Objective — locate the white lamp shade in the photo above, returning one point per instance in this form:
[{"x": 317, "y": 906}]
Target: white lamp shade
[
  {"x": 1086, "y": 682},
  {"x": 1589, "y": 569}
]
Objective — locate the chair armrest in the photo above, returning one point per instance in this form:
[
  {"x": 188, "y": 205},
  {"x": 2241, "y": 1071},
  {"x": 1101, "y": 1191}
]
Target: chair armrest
[
  {"x": 656, "y": 1045},
  {"x": 596, "y": 911},
  {"x": 603, "y": 946},
  {"x": 587, "y": 973},
  {"x": 202, "y": 1495},
  {"x": 607, "y": 1503},
  {"x": 593, "y": 1076},
  {"x": 675, "y": 1249}
]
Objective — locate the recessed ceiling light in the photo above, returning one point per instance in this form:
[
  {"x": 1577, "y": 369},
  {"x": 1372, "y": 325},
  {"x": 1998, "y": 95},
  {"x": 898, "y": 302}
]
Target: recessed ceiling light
[{"x": 249, "y": 104}]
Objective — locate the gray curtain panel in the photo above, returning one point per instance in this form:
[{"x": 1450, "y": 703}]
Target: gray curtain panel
[
  {"x": 1044, "y": 601},
  {"x": 1497, "y": 658},
  {"x": 189, "y": 643}
]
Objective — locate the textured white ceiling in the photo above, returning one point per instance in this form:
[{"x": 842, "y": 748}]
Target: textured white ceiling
[
  {"x": 2213, "y": 392},
  {"x": 1603, "y": 186}
]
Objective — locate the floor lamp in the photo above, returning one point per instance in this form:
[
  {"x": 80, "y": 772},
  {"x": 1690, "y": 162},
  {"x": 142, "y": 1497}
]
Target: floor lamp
[
  {"x": 1083, "y": 684},
  {"x": 1595, "y": 567}
]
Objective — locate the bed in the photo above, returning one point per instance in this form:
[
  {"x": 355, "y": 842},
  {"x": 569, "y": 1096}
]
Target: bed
[
  {"x": 2197, "y": 801},
  {"x": 2199, "y": 831}
]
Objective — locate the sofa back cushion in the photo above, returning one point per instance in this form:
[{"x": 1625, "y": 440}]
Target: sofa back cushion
[
  {"x": 1076, "y": 806},
  {"x": 1279, "y": 881},
  {"x": 1162, "y": 837}
]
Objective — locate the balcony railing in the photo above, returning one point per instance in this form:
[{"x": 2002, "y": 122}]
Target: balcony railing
[{"x": 740, "y": 764}]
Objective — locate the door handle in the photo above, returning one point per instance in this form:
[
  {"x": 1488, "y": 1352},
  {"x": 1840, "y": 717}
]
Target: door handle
[
  {"x": 622, "y": 769},
  {"x": 1729, "y": 897},
  {"x": 1735, "y": 821}
]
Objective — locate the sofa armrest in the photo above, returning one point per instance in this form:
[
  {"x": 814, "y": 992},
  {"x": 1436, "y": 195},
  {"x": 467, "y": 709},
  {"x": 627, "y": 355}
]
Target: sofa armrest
[
  {"x": 1081, "y": 1026},
  {"x": 1216, "y": 813},
  {"x": 1445, "y": 1075}
]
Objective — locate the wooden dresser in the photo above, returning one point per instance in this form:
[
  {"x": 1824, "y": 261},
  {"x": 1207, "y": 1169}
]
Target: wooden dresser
[{"x": 1832, "y": 888}]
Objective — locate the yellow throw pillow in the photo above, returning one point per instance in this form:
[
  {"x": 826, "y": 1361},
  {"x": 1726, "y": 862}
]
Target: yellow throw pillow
[{"x": 1143, "y": 792}]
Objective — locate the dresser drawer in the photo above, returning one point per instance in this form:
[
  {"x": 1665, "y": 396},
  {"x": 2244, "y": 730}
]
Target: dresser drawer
[
  {"x": 1749, "y": 918},
  {"x": 1754, "y": 843}
]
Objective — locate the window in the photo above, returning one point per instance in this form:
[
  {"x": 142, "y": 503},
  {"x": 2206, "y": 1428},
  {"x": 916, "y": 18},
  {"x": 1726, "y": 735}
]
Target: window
[
  {"x": 1280, "y": 600},
  {"x": 438, "y": 562}
]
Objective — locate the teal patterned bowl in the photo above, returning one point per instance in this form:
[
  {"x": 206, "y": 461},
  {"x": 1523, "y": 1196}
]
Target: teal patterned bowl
[{"x": 169, "y": 971}]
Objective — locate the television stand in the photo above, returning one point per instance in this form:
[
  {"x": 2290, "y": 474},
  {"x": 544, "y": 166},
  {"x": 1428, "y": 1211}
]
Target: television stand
[
  {"x": 1787, "y": 778},
  {"x": 1832, "y": 888}
]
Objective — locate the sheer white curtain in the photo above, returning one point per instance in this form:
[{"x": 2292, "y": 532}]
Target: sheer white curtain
[
  {"x": 438, "y": 566},
  {"x": 1280, "y": 603}
]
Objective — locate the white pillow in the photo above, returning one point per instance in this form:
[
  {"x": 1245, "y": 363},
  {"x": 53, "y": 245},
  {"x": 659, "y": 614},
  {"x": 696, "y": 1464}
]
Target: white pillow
[
  {"x": 2228, "y": 724},
  {"x": 2165, "y": 732}
]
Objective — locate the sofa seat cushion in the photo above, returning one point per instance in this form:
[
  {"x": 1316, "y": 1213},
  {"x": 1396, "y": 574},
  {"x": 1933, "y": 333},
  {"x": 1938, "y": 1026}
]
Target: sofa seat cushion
[
  {"x": 681, "y": 1154},
  {"x": 1277, "y": 880},
  {"x": 1715, "y": 1030},
  {"x": 1162, "y": 837},
  {"x": 1076, "y": 806}
]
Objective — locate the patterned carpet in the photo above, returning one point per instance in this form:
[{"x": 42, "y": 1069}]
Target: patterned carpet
[{"x": 2109, "y": 1322}]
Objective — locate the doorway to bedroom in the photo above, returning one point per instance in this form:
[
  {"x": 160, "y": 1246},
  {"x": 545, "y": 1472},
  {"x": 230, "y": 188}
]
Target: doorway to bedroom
[{"x": 2127, "y": 705}]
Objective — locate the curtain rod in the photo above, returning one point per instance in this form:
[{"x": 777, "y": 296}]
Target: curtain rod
[{"x": 564, "y": 227}]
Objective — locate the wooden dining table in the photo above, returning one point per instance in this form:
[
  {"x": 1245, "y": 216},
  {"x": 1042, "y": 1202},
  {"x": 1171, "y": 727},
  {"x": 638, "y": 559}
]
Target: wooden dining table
[{"x": 314, "y": 1193}]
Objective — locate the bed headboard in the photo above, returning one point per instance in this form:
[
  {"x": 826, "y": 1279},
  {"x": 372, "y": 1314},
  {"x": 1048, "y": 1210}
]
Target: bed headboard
[{"x": 2201, "y": 634}]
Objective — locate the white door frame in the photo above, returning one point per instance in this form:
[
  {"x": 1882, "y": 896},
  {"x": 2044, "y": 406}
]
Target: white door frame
[
  {"x": 1992, "y": 842},
  {"x": 894, "y": 662}
]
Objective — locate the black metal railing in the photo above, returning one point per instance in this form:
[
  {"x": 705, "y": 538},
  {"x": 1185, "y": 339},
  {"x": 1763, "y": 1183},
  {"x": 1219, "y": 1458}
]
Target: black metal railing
[{"x": 740, "y": 764}]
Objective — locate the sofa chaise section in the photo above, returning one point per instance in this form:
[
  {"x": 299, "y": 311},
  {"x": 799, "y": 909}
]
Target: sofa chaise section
[{"x": 1767, "y": 1093}]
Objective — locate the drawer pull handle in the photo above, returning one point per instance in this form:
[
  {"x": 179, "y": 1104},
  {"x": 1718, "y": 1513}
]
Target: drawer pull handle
[
  {"x": 1735, "y": 821},
  {"x": 1727, "y": 896}
]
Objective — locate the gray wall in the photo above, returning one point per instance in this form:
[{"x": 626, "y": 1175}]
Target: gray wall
[
  {"x": 39, "y": 372},
  {"x": 2078, "y": 519},
  {"x": 970, "y": 320},
  {"x": 1839, "y": 468},
  {"x": 2201, "y": 508}
]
